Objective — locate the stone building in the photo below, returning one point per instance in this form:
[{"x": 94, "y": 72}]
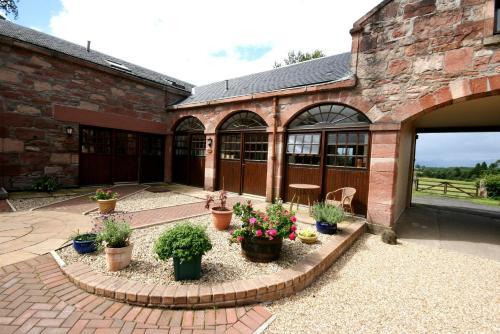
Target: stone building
[{"x": 342, "y": 120}]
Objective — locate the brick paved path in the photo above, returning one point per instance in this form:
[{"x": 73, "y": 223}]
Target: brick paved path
[
  {"x": 83, "y": 203},
  {"x": 4, "y": 206},
  {"x": 35, "y": 297},
  {"x": 172, "y": 213}
]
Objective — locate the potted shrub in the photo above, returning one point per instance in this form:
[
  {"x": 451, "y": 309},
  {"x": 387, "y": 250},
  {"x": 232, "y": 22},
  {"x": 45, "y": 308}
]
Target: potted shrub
[
  {"x": 186, "y": 244},
  {"x": 114, "y": 237},
  {"x": 327, "y": 217},
  {"x": 84, "y": 242},
  {"x": 221, "y": 214},
  {"x": 308, "y": 236},
  {"x": 106, "y": 199},
  {"x": 261, "y": 234}
]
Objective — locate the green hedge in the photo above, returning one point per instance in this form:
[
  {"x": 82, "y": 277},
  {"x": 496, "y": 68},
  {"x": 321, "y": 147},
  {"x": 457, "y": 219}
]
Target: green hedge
[{"x": 492, "y": 183}]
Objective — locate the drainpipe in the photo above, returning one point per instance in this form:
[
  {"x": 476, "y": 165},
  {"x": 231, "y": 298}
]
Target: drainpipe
[{"x": 273, "y": 147}]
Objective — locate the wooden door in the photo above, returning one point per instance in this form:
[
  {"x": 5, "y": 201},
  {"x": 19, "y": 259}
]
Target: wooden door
[
  {"x": 303, "y": 163},
  {"x": 346, "y": 165},
  {"x": 229, "y": 164},
  {"x": 125, "y": 157},
  {"x": 95, "y": 159},
  {"x": 255, "y": 164},
  {"x": 189, "y": 159},
  {"x": 152, "y": 158}
]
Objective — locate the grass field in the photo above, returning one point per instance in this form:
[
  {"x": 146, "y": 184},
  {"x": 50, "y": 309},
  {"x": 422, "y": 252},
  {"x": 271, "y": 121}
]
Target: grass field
[{"x": 456, "y": 189}]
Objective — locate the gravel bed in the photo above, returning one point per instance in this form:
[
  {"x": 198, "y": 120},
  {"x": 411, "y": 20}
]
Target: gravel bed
[
  {"x": 146, "y": 200},
  {"x": 408, "y": 288},
  {"x": 223, "y": 263},
  {"x": 25, "y": 204}
]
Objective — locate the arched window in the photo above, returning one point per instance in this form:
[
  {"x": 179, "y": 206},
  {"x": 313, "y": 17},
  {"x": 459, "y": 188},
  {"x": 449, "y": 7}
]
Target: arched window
[
  {"x": 328, "y": 116},
  {"x": 243, "y": 120},
  {"x": 190, "y": 124}
]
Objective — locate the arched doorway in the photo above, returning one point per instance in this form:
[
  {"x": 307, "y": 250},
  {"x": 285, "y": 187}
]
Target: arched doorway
[
  {"x": 189, "y": 153},
  {"x": 328, "y": 145},
  {"x": 242, "y": 154}
]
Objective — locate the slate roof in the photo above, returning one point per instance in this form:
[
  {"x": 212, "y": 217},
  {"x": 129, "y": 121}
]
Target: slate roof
[
  {"x": 41, "y": 39},
  {"x": 316, "y": 71}
]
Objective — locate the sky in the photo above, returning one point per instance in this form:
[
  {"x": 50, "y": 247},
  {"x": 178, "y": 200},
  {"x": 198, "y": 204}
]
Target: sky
[
  {"x": 202, "y": 41},
  {"x": 457, "y": 149}
]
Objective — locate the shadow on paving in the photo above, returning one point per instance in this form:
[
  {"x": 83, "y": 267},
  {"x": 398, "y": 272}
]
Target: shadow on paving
[{"x": 469, "y": 230}]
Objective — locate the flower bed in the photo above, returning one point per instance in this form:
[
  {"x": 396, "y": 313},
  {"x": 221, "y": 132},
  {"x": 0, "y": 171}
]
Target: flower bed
[{"x": 223, "y": 263}]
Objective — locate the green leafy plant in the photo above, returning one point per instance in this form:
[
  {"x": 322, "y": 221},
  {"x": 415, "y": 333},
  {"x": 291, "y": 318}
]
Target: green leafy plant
[
  {"x": 101, "y": 194},
  {"x": 492, "y": 183},
  {"x": 326, "y": 213},
  {"x": 114, "y": 233},
  {"x": 184, "y": 241},
  {"x": 45, "y": 183},
  {"x": 83, "y": 236}
]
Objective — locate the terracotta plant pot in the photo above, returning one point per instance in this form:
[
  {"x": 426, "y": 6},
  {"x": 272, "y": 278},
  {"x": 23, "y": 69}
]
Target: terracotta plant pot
[
  {"x": 106, "y": 206},
  {"x": 261, "y": 250},
  {"x": 118, "y": 258},
  {"x": 221, "y": 218}
]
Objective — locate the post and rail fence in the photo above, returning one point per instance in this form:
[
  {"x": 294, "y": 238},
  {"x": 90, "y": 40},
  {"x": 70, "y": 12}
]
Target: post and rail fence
[{"x": 447, "y": 188}]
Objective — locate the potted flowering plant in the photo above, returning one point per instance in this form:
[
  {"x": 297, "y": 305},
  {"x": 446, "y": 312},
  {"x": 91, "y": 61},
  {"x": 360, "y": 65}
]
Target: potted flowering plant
[
  {"x": 221, "y": 214},
  {"x": 261, "y": 234},
  {"x": 186, "y": 244},
  {"x": 106, "y": 199},
  {"x": 114, "y": 237},
  {"x": 84, "y": 242}
]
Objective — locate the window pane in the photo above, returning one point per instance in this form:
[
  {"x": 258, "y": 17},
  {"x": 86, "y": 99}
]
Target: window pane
[
  {"x": 299, "y": 139},
  {"x": 332, "y": 138},
  {"x": 315, "y": 149},
  {"x": 316, "y": 138},
  {"x": 353, "y": 138},
  {"x": 306, "y": 149},
  {"x": 342, "y": 139}
]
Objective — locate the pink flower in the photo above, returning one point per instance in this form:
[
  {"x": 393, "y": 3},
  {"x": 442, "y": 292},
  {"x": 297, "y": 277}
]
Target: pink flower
[
  {"x": 293, "y": 228},
  {"x": 271, "y": 238},
  {"x": 266, "y": 218},
  {"x": 293, "y": 219},
  {"x": 240, "y": 238},
  {"x": 258, "y": 233},
  {"x": 231, "y": 231},
  {"x": 292, "y": 236},
  {"x": 272, "y": 233},
  {"x": 252, "y": 220}
]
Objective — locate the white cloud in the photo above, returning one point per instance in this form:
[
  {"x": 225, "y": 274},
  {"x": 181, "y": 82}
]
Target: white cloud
[{"x": 180, "y": 38}]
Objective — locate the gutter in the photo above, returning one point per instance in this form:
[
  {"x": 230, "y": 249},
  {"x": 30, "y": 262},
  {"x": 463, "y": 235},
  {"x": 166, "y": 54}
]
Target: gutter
[{"x": 348, "y": 82}]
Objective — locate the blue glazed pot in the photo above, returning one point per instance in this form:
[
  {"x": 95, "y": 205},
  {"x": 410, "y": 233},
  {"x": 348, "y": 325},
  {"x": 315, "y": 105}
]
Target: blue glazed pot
[
  {"x": 326, "y": 228},
  {"x": 83, "y": 247}
]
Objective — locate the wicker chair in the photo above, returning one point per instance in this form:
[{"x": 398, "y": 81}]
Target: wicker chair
[{"x": 346, "y": 197}]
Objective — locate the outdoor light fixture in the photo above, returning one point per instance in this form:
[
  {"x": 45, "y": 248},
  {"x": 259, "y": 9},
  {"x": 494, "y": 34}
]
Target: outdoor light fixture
[
  {"x": 210, "y": 141},
  {"x": 69, "y": 130}
]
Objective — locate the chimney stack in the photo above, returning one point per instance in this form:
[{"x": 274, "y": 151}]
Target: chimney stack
[{"x": 88, "y": 46}]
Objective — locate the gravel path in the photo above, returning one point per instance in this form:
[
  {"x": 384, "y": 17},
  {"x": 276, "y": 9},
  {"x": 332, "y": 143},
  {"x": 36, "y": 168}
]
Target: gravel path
[
  {"x": 223, "y": 263},
  {"x": 146, "y": 200},
  {"x": 25, "y": 204},
  {"x": 408, "y": 288}
]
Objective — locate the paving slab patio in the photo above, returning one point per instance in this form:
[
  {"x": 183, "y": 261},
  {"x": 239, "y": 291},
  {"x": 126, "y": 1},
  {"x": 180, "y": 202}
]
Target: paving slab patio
[{"x": 25, "y": 235}]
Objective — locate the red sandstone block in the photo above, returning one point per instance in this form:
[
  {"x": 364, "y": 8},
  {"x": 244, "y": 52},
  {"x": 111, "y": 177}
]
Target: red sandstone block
[
  {"x": 168, "y": 295},
  {"x": 193, "y": 294},
  {"x": 385, "y": 137},
  {"x": 217, "y": 293},
  {"x": 180, "y": 295},
  {"x": 494, "y": 82},
  {"x": 143, "y": 294},
  {"x": 443, "y": 96},
  {"x": 427, "y": 102}
]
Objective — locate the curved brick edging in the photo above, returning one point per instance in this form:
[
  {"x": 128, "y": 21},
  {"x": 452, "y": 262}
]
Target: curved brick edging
[{"x": 241, "y": 292}]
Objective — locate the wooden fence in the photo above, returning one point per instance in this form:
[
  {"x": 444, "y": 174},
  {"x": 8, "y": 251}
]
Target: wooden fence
[{"x": 447, "y": 188}]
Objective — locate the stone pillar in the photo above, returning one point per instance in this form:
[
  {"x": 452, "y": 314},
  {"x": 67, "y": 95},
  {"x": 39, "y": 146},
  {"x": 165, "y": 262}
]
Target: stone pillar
[
  {"x": 279, "y": 165},
  {"x": 210, "y": 162},
  {"x": 383, "y": 175},
  {"x": 168, "y": 168}
]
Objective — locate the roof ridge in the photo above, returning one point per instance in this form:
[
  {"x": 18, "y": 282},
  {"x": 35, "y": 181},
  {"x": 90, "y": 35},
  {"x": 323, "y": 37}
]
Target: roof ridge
[
  {"x": 276, "y": 69},
  {"x": 83, "y": 49}
]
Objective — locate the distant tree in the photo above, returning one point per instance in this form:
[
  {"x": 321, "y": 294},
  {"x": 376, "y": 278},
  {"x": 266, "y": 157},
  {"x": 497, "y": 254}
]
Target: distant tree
[
  {"x": 299, "y": 57},
  {"x": 9, "y": 7}
]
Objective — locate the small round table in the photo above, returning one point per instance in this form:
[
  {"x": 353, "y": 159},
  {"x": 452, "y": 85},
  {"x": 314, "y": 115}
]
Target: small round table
[{"x": 302, "y": 189}]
